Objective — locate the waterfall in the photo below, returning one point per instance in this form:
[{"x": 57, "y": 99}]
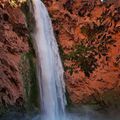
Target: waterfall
[{"x": 49, "y": 66}]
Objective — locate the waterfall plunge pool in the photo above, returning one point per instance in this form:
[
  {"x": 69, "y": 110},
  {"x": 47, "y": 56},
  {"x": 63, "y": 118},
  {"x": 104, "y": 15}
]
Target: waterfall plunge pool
[{"x": 75, "y": 113}]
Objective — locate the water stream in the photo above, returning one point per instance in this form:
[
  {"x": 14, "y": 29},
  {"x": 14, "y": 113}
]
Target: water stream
[{"x": 50, "y": 69}]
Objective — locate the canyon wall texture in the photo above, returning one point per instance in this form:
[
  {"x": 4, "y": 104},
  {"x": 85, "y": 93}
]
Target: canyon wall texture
[
  {"x": 17, "y": 60},
  {"x": 88, "y": 33},
  {"x": 13, "y": 43}
]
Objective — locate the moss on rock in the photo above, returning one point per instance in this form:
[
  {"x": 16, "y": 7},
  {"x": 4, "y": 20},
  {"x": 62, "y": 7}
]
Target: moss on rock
[{"x": 28, "y": 72}]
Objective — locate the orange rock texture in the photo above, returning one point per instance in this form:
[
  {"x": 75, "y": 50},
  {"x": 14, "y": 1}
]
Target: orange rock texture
[
  {"x": 13, "y": 43},
  {"x": 88, "y": 33}
]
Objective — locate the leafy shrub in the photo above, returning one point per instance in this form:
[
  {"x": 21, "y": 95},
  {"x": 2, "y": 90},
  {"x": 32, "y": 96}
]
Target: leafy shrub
[{"x": 83, "y": 57}]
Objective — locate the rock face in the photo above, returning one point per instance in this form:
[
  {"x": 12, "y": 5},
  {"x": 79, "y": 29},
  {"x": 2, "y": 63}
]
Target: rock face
[
  {"x": 13, "y": 43},
  {"x": 88, "y": 33}
]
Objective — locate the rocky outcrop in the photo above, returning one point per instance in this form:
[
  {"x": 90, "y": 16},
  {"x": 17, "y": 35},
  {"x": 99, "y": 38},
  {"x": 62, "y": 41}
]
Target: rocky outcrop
[
  {"x": 88, "y": 33},
  {"x": 13, "y": 43}
]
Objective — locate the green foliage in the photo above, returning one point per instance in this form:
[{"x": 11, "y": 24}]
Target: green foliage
[
  {"x": 69, "y": 68},
  {"x": 83, "y": 58},
  {"x": 85, "y": 30},
  {"x": 27, "y": 9},
  {"x": 28, "y": 62},
  {"x": 28, "y": 72},
  {"x": 91, "y": 32},
  {"x": 84, "y": 55}
]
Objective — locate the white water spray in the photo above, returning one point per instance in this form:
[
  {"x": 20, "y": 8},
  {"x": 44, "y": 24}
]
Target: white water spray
[{"x": 50, "y": 70}]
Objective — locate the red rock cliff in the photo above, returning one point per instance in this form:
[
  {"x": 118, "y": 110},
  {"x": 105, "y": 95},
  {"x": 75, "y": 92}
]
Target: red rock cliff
[
  {"x": 88, "y": 32},
  {"x": 13, "y": 43}
]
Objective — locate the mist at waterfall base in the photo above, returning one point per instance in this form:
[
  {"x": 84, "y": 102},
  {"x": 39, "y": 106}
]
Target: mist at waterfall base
[
  {"x": 81, "y": 113},
  {"x": 87, "y": 113}
]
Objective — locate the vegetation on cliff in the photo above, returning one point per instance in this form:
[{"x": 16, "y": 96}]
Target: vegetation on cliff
[
  {"x": 88, "y": 36},
  {"x": 18, "y": 83}
]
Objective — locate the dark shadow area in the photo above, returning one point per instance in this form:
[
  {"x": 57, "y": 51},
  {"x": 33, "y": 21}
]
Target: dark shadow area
[{"x": 74, "y": 113}]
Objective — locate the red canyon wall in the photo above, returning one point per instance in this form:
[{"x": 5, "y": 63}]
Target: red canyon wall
[
  {"x": 13, "y": 43},
  {"x": 88, "y": 32},
  {"x": 18, "y": 83}
]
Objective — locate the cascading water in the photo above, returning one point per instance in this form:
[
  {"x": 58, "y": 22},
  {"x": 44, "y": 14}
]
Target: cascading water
[{"x": 50, "y": 70}]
